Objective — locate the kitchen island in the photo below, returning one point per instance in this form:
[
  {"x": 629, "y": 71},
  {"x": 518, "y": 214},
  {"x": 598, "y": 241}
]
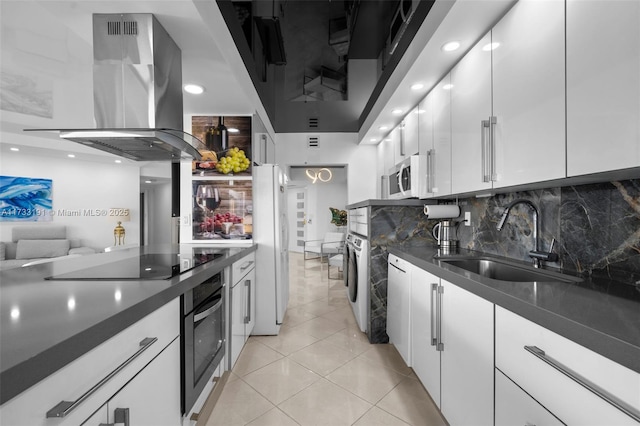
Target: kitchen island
[{"x": 47, "y": 324}]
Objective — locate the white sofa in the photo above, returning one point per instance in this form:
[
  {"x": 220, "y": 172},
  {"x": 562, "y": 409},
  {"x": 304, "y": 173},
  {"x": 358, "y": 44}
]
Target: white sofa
[{"x": 36, "y": 244}]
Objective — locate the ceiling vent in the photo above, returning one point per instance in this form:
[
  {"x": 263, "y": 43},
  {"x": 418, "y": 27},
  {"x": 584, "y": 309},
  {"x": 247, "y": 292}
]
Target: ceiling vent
[
  {"x": 313, "y": 142},
  {"x": 313, "y": 122}
]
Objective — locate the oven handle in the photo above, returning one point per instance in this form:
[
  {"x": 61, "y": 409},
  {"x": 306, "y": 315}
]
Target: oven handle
[{"x": 208, "y": 312}]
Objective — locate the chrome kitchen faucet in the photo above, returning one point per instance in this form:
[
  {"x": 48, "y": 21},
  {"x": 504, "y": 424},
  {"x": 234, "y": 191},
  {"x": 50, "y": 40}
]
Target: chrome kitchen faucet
[{"x": 535, "y": 254}]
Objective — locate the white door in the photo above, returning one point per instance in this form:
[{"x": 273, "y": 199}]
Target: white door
[{"x": 297, "y": 218}]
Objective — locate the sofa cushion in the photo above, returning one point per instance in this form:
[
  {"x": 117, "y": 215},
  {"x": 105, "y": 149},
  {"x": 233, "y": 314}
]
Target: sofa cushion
[
  {"x": 32, "y": 249},
  {"x": 55, "y": 232},
  {"x": 81, "y": 250}
]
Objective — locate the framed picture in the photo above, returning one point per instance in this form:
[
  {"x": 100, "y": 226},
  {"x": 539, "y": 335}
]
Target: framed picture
[{"x": 25, "y": 199}]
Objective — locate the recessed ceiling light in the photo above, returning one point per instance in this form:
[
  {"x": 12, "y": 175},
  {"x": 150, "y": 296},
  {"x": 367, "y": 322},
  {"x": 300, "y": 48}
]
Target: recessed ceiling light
[
  {"x": 194, "y": 89},
  {"x": 419, "y": 111},
  {"x": 451, "y": 46},
  {"x": 148, "y": 181},
  {"x": 447, "y": 86},
  {"x": 118, "y": 161},
  {"x": 71, "y": 155},
  {"x": 396, "y": 111},
  {"x": 233, "y": 130},
  {"x": 490, "y": 46},
  {"x": 383, "y": 127},
  {"x": 373, "y": 140},
  {"x": 13, "y": 148},
  {"x": 417, "y": 86}
]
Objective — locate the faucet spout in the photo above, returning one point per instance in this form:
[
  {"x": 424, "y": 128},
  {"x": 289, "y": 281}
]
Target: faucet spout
[{"x": 536, "y": 225}]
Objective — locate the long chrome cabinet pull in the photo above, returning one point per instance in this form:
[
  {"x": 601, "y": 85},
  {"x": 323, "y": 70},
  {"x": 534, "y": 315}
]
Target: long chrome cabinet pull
[
  {"x": 247, "y": 317},
  {"x": 434, "y": 290},
  {"x": 440, "y": 345},
  {"x": 493, "y": 120},
  {"x": 484, "y": 126},
  {"x": 611, "y": 399},
  {"x": 65, "y": 407}
]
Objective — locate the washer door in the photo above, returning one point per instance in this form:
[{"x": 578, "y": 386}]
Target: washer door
[{"x": 352, "y": 275}]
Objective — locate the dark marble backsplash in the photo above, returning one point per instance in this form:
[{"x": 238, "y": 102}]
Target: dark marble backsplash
[{"x": 596, "y": 227}]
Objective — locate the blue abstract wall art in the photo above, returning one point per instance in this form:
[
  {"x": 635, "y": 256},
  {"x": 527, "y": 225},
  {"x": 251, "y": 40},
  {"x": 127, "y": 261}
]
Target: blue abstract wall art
[{"x": 25, "y": 199}]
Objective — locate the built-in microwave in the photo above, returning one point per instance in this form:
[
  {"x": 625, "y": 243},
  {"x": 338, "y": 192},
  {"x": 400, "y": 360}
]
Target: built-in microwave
[{"x": 408, "y": 179}]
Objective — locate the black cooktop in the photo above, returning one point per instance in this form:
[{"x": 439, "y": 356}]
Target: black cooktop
[{"x": 150, "y": 266}]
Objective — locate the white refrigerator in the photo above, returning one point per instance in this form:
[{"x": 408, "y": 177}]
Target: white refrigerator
[{"x": 271, "y": 234}]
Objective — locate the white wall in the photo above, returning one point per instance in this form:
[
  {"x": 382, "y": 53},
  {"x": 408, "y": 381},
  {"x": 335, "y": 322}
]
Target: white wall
[
  {"x": 158, "y": 214},
  {"x": 80, "y": 185},
  {"x": 334, "y": 149}
]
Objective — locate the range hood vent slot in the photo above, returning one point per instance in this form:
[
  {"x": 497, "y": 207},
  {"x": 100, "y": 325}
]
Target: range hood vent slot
[
  {"x": 122, "y": 28},
  {"x": 313, "y": 122}
]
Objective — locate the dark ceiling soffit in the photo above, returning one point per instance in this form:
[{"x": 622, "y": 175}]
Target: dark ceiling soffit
[
  {"x": 229, "y": 15},
  {"x": 418, "y": 18}
]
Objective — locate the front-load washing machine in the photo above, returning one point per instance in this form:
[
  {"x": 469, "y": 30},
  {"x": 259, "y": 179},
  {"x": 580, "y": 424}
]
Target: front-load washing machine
[{"x": 358, "y": 278}]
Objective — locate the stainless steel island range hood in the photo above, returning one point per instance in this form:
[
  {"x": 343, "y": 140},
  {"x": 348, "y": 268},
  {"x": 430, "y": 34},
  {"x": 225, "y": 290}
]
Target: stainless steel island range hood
[{"x": 137, "y": 92}]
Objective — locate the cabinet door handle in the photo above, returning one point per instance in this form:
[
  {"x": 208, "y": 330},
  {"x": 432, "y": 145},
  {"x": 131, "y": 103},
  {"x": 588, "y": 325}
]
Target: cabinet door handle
[
  {"x": 439, "y": 345},
  {"x": 247, "y": 317},
  {"x": 120, "y": 416},
  {"x": 597, "y": 390},
  {"x": 246, "y": 265},
  {"x": 434, "y": 290},
  {"x": 65, "y": 407},
  {"x": 484, "y": 126},
  {"x": 492, "y": 148}
]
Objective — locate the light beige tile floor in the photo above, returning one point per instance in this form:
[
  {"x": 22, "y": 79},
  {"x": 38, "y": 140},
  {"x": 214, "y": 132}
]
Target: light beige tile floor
[{"x": 321, "y": 369}]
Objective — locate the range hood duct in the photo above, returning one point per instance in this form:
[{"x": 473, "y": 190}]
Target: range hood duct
[{"x": 137, "y": 92}]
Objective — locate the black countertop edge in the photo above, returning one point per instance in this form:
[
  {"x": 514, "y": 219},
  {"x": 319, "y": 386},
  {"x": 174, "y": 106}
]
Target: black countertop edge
[
  {"x": 21, "y": 377},
  {"x": 592, "y": 336},
  {"x": 404, "y": 202}
]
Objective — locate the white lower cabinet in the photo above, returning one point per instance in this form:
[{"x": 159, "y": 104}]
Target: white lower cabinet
[
  {"x": 157, "y": 386},
  {"x": 399, "y": 306},
  {"x": 152, "y": 398},
  {"x": 515, "y": 407},
  {"x": 467, "y": 357},
  {"x": 574, "y": 383},
  {"x": 243, "y": 305},
  {"x": 424, "y": 354},
  {"x": 452, "y": 348}
]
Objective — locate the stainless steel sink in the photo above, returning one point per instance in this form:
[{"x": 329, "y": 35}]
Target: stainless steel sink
[{"x": 498, "y": 270}]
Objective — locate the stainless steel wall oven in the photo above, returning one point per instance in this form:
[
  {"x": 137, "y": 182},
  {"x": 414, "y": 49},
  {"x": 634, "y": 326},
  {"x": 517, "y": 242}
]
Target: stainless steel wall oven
[{"x": 203, "y": 337}]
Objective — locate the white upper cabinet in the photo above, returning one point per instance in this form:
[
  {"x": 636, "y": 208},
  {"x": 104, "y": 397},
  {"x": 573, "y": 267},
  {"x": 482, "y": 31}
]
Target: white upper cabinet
[
  {"x": 508, "y": 102},
  {"x": 440, "y": 158},
  {"x": 411, "y": 132},
  {"x": 528, "y": 93},
  {"x": 435, "y": 137},
  {"x": 603, "y": 86},
  {"x": 470, "y": 109}
]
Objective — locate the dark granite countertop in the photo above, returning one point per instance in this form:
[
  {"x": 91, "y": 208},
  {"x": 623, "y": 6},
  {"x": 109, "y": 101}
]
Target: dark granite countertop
[
  {"x": 45, "y": 325},
  {"x": 592, "y": 313}
]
